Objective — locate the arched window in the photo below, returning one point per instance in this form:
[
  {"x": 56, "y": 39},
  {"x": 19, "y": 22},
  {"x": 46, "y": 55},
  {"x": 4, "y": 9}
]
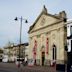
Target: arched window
[{"x": 54, "y": 52}]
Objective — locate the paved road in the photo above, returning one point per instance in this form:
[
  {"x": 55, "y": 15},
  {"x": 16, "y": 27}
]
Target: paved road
[
  {"x": 39, "y": 69},
  {"x": 8, "y": 67},
  {"x": 11, "y": 67}
]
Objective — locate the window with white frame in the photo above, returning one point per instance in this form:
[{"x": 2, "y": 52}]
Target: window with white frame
[{"x": 70, "y": 30}]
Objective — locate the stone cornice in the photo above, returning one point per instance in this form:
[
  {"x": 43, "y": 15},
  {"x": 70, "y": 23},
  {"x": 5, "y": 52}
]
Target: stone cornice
[
  {"x": 44, "y": 32},
  {"x": 46, "y": 26}
]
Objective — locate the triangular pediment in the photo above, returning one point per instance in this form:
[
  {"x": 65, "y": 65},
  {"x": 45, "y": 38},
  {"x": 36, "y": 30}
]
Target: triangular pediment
[{"x": 43, "y": 20}]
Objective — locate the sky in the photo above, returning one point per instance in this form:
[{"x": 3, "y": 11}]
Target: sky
[{"x": 28, "y": 9}]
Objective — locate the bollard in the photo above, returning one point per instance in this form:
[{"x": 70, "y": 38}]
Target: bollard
[{"x": 18, "y": 65}]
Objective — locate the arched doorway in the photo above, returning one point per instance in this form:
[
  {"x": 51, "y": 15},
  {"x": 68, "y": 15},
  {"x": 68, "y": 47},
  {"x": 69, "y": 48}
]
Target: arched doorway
[
  {"x": 54, "y": 55},
  {"x": 43, "y": 58},
  {"x": 54, "y": 52}
]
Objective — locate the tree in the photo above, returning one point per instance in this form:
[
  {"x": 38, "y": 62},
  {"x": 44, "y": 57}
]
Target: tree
[{"x": 1, "y": 51}]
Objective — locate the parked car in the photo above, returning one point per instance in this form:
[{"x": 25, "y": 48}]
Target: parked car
[{"x": 5, "y": 58}]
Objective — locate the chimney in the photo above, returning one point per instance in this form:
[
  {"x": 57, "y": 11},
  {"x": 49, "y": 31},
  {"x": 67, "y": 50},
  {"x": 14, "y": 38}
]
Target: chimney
[{"x": 63, "y": 15}]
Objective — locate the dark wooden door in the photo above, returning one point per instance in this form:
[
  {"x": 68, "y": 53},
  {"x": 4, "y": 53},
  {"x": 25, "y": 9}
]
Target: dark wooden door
[{"x": 43, "y": 58}]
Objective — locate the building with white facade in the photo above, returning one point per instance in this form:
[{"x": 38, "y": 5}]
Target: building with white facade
[
  {"x": 69, "y": 45},
  {"x": 69, "y": 34},
  {"x": 47, "y": 38},
  {"x": 13, "y": 51}
]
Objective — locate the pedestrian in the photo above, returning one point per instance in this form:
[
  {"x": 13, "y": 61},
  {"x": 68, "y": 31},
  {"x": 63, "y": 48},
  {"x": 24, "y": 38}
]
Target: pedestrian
[{"x": 26, "y": 60}]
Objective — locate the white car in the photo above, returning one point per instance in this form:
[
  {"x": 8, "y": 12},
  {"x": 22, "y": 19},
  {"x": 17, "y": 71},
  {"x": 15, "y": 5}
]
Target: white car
[{"x": 5, "y": 59}]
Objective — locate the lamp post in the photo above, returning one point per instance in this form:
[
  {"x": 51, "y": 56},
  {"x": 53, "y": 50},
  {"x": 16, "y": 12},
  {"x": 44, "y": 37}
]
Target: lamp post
[{"x": 21, "y": 19}]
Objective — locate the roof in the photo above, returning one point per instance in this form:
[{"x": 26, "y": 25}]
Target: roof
[
  {"x": 69, "y": 21},
  {"x": 44, "y": 11},
  {"x": 23, "y": 44},
  {"x": 26, "y": 44}
]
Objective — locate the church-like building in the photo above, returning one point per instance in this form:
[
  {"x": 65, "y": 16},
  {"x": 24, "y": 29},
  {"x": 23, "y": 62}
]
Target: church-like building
[{"x": 47, "y": 39}]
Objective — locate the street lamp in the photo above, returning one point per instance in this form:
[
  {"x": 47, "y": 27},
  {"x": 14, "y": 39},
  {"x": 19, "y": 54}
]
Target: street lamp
[{"x": 20, "y": 33}]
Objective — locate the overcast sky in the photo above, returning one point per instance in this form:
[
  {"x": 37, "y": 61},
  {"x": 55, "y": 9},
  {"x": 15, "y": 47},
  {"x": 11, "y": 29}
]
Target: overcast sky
[{"x": 28, "y": 9}]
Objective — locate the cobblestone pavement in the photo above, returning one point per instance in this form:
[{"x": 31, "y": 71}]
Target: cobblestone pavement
[
  {"x": 11, "y": 67},
  {"x": 37, "y": 69}
]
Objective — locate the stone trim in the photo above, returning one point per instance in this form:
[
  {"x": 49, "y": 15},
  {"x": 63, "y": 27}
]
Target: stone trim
[
  {"x": 37, "y": 61},
  {"x": 47, "y": 26},
  {"x": 47, "y": 62},
  {"x": 60, "y": 62}
]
